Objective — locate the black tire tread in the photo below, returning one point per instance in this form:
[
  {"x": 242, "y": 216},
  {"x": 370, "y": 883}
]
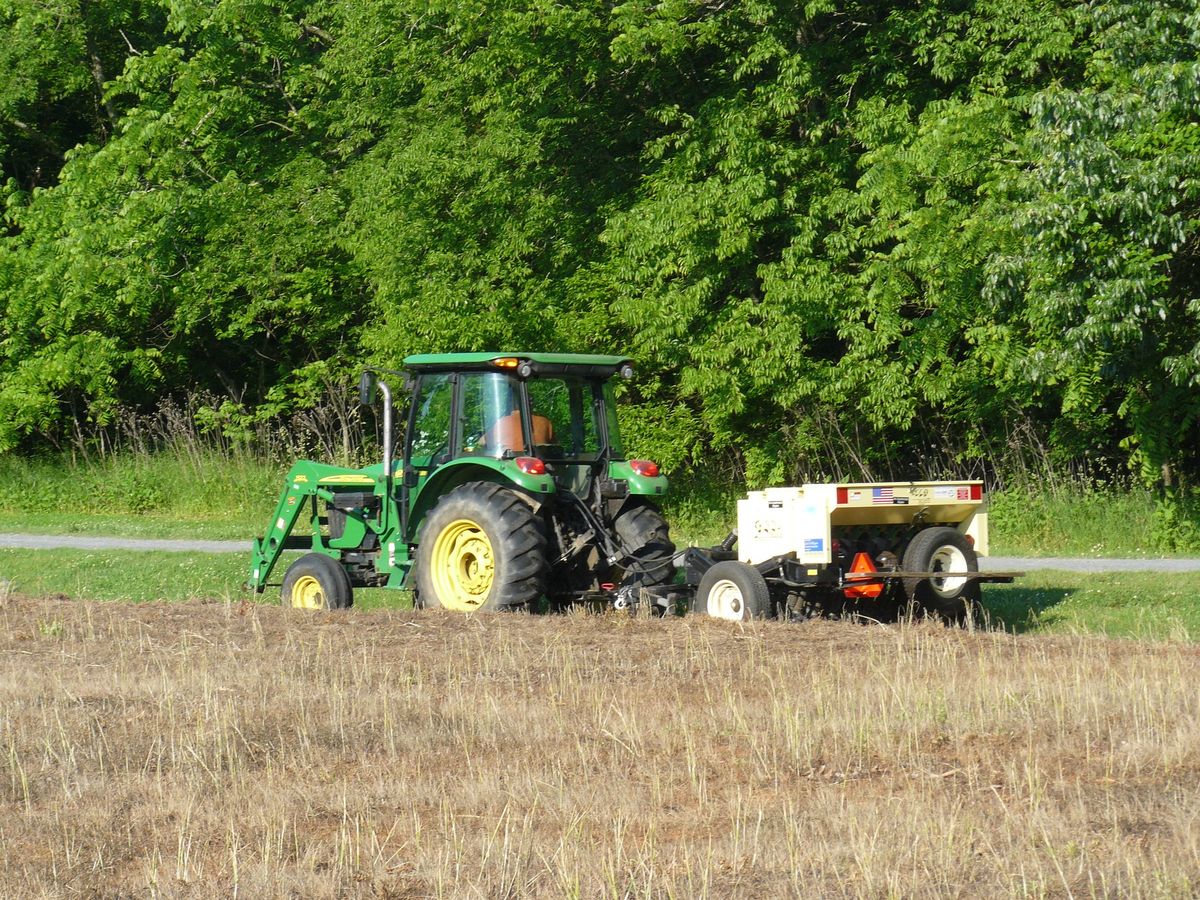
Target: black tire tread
[
  {"x": 517, "y": 525},
  {"x": 643, "y": 530}
]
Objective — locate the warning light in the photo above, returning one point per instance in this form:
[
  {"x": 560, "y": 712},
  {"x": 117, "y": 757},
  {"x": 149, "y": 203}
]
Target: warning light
[
  {"x": 644, "y": 467},
  {"x": 530, "y": 465}
]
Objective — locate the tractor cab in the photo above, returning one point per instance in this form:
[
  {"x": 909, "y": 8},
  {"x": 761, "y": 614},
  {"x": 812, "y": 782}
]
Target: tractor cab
[{"x": 542, "y": 414}]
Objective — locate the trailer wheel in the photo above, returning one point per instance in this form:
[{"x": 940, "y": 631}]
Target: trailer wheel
[
  {"x": 942, "y": 550},
  {"x": 316, "y": 581},
  {"x": 481, "y": 548},
  {"x": 734, "y": 591}
]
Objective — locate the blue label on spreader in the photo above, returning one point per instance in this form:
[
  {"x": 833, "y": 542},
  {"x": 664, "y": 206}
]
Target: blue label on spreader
[{"x": 814, "y": 545}]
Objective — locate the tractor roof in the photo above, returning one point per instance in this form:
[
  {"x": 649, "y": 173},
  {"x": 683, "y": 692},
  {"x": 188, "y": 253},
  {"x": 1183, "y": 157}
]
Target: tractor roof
[{"x": 448, "y": 361}]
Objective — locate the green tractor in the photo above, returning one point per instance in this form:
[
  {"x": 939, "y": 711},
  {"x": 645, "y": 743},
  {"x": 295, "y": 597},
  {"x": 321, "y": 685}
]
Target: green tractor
[{"x": 511, "y": 486}]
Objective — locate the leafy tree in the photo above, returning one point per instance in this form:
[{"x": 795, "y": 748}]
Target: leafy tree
[
  {"x": 56, "y": 58},
  {"x": 811, "y": 228},
  {"x": 842, "y": 238},
  {"x": 1097, "y": 290},
  {"x": 480, "y": 147},
  {"x": 190, "y": 250}
]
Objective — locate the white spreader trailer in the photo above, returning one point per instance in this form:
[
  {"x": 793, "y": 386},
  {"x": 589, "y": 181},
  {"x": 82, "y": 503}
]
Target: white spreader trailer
[{"x": 872, "y": 549}]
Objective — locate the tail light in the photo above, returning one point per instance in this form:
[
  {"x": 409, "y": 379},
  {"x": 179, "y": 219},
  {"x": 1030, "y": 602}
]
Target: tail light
[
  {"x": 861, "y": 567},
  {"x": 644, "y": 467},
  {"x": 977, "y": 492},
  {"x": 530, "y": 465}
]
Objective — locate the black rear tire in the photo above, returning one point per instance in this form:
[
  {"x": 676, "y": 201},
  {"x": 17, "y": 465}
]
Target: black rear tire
[
  {"x": 734, "y": 591},
  {"x": 503, "y": 536},
  {"x": 316, "y": 581},
  {"x": 942, "y": 549},
  {"x": 646, "y": 537}
]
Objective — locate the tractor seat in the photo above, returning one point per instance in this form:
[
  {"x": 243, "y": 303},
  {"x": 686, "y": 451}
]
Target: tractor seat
[{"x": 505, "y": 434}]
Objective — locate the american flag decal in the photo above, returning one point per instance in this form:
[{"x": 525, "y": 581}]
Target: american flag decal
[{"x": 881, "y": 495}]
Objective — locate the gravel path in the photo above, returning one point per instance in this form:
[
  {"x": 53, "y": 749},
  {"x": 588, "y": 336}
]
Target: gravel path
[
  {"x": 83, "y": 542},
  {"x": 991, "y": 563}
]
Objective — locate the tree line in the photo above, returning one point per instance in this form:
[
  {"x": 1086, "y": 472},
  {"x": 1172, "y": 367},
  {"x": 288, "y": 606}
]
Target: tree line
[{"x": 884, "y": 237}]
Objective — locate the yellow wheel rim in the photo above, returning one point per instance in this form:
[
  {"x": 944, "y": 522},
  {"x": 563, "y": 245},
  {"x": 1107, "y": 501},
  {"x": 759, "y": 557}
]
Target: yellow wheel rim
[
  {"x": 463, "y": 566},
  {"x": 307, "y": 593}
]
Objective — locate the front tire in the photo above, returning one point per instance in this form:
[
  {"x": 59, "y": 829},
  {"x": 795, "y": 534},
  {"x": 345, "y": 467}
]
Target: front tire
[
  {"x": 734, "y": 591},
  {"x": 481, "y": 548},
  {"x": 316, "y": 581},
  {"x": 942, "y": 550}
]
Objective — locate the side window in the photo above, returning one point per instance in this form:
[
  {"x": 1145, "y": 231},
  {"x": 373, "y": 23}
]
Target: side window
[
  {"x": 587, "y": 436},
  {"x": 566, "y": 406},
  {"x": 430, "y": 440},
  {"x": 550, "y": 402},
  {"x": 615, "y": 447}
]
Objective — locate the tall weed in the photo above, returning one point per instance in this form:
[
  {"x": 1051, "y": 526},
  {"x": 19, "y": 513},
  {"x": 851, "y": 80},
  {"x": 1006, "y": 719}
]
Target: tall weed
[
  {"x": 1083, "y": 520},
  {"x": 203, "y": 486}
]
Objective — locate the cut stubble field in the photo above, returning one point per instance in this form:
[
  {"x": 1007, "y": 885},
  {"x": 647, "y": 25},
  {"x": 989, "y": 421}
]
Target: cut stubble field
[{"x": 202, "y": 749}]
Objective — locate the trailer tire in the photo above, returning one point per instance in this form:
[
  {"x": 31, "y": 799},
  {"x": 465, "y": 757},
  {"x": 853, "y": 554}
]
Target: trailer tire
[
  {"x": 942, "y": 549},
  {"x": 480, "y": 548},
  {"x": 316, "y": 581},
  {"x": 734, "y": 591},
  {"x": 645, "y": 535}
]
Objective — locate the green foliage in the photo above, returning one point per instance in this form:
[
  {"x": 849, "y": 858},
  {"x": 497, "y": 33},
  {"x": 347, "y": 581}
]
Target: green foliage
[
  {"x": 850, "y": 240},
  {"x": 1176, "y": 526},
  {"x": 191, "y": 249},
  {"x": 1098, "y": 293},
  {"x": 229, "y": 491},
  {"x": 1079, "y": 520},
  {"x": 57, "y": 57}
]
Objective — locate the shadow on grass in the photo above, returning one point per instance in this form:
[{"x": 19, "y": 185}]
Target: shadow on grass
[{"x": 1022, "y": 609}]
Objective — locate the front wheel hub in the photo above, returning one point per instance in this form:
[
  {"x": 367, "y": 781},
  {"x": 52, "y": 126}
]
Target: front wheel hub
[{"x": 307, "y": 593}]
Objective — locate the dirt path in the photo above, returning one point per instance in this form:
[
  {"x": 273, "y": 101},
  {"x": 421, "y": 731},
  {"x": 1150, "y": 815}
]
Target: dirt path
[{"x": 992, "y": 563}]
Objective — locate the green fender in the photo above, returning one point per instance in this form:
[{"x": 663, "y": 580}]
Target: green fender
[
  {"x": 472, "y": 468},
  {"x": 642, "y": 485}
]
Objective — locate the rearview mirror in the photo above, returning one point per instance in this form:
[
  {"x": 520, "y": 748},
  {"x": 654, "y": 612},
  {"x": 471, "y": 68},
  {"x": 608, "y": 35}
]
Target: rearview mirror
[{"x": 366, "y": 389}]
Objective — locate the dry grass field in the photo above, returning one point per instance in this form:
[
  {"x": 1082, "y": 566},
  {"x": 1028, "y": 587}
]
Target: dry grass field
[{"x": 215, "y": 750}]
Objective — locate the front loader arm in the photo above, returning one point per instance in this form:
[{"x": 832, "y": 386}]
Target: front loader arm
[{"x": 300, "y": 490}]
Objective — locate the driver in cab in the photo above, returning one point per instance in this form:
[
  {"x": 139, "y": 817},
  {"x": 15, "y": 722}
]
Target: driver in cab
[{"x": 505, "y": 433}]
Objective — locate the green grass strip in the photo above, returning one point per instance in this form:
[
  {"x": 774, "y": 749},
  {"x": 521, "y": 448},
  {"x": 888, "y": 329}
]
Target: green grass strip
[{"x": 1126, "y": 604}]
